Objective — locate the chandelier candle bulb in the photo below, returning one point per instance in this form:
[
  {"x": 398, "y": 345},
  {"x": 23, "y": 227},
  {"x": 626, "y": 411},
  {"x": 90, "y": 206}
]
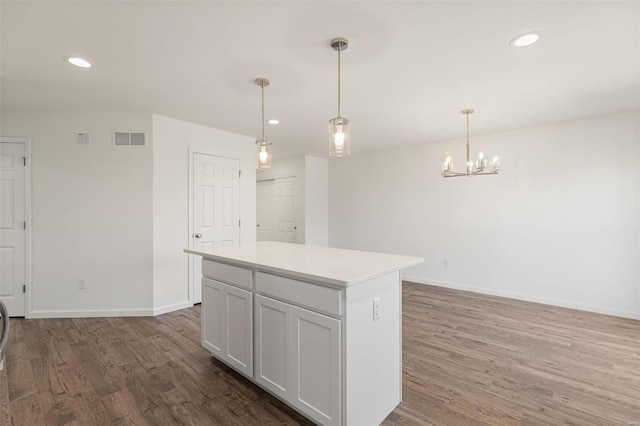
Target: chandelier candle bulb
[
  {"x": 495, "y": 164},
  {"x": 447, "y": 163},
  {"x": 481, "y": 161}
]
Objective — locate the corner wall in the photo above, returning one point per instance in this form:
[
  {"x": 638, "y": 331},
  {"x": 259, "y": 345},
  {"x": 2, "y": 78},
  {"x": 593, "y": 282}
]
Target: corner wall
[
  {"x": 559, "y": 225},
  {"x": 316, "y": 184},
  {"x": 92, "y": 210},
  {"x": 172, "y": 140}
]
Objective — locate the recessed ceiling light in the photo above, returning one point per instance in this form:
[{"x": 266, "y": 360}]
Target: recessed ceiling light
[
  {"x": 272, "y": 121},
  {"x": 78, "y": 62},
  {"x": 525, "y": 39}
]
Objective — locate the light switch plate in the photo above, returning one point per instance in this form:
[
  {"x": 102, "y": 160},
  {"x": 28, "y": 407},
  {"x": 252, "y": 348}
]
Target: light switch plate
[{"x": 376, "y": 308}]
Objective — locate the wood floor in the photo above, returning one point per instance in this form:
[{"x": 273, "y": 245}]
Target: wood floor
[{"x": 468, "y": 359}]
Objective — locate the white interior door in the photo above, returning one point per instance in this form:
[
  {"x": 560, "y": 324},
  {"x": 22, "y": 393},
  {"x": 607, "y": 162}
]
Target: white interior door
[
  {"x": 286, "y": 210},
  {"x": 266, "y": 215},
  {"x": 216, "y": 208},
  {"x": 12, "y": 226},
  {"x": 276, "y": 213}
]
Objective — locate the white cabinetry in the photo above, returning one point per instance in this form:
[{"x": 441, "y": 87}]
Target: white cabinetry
[
  {"x": 227, "y": 324},
  {"x": 273, "y": 346},
  {"x": 316, "y": 366},
  {"x": 315, "y": 341},
  {"x": 298, "y": 358}
]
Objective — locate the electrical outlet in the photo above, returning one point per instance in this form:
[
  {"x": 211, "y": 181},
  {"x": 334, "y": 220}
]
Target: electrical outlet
[
  {"x": 82, "y": 283},
  {"x": 376, "y": 308},
  {"x": 446, "y": 263}
]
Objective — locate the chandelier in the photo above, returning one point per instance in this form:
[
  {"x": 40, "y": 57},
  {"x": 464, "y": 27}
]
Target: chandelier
[{"x": 472, "y": 168}]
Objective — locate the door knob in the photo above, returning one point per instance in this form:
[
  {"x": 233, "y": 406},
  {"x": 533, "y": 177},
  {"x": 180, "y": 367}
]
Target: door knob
[{"x": 198, "y": 235}]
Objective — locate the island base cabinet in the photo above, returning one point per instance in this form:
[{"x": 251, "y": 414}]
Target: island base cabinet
[
  {"x": 316, "y": 364},
  {"x": 273, "y": 346},
  {"x": 227, "y": 324},
  {"x": 298, "y": 357}
]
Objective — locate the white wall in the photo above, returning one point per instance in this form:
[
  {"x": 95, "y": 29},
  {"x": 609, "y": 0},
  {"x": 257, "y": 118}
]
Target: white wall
[
  {"x": 312, "y": 193},
  {"x": 559, "y": 225},
  {"x": 92, "y": 211},
  {"x": 316, "y": 201},
  {"x": 172, "y": 140}
]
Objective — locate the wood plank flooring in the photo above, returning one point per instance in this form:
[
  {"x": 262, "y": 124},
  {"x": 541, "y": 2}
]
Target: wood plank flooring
[{"x": 469, "y": 359}]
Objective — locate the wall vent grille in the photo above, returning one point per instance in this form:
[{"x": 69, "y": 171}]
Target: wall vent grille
[{"x": 129, "y": 138}]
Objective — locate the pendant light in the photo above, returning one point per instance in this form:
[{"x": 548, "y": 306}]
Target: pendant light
[
  {"x": 339, "y": 127},
  {"x": 470, "y": 170},
  {"x": 263, "y": 146}
]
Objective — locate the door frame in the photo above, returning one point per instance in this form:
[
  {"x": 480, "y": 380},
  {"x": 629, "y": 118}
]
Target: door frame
[
  {"x": 190, "y": 152},
  {"x": 27, "y": 217}
]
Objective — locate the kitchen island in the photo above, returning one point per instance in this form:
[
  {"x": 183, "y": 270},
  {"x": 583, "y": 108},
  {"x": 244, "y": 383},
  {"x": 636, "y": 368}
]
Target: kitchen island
[{"x": 318, "y": 327}]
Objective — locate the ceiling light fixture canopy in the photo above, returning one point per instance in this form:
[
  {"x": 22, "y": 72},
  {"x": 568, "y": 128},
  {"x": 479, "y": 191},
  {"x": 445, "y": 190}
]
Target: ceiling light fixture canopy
[
  {"x": 78, "y": 62},
  {"x": 480, "y": 163},
  {"x": 263, "y": 146},
  {"x": 339, "y": 139}
]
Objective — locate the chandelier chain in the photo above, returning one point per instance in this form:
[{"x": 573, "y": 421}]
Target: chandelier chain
[{"x": 467, "y": 138}]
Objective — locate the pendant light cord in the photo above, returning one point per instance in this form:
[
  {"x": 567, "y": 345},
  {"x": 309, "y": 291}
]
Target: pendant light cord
[
  {"x": 262, "y": 85},
  {"x": 339, "y": 51}
]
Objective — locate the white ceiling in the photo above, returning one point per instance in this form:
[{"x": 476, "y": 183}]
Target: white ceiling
[{"x": 409, "y": 69}]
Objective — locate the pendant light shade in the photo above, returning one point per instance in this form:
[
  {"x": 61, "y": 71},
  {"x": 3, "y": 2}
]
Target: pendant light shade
[
  {"x": 263, "y": 154},
  {"x": 263, "y": 146},
  {"x": 339, "y": 138}
]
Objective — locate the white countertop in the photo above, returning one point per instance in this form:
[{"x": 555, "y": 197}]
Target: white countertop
[{"x": 337, "y": 267}]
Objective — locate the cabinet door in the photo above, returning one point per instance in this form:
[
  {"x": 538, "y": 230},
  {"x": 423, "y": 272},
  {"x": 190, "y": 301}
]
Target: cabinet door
[
  {"x": 213, "y": 317},
  {"x": 227, "y": 321},
  {"x": 273, "y": 346},
  {"x": 316, "y": 363},
  {"x": 239, "y": 340}
]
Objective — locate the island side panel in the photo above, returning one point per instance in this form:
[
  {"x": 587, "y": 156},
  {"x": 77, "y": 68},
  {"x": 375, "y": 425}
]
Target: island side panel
[{"x": 373, "y": 352}]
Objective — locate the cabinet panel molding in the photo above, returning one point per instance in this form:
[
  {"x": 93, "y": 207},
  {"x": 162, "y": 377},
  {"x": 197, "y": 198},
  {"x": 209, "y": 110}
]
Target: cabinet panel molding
[
  {"x": 273, "y": 346},
  {"x": 317, "y": 366}
]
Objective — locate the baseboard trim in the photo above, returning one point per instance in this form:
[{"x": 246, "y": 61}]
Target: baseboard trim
[
  {"x": 170, "y": 308},
  {"x": 103, "y": 313},
  {"x": 553, "y": 302},
  {"x": 100, "y": 313}
]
